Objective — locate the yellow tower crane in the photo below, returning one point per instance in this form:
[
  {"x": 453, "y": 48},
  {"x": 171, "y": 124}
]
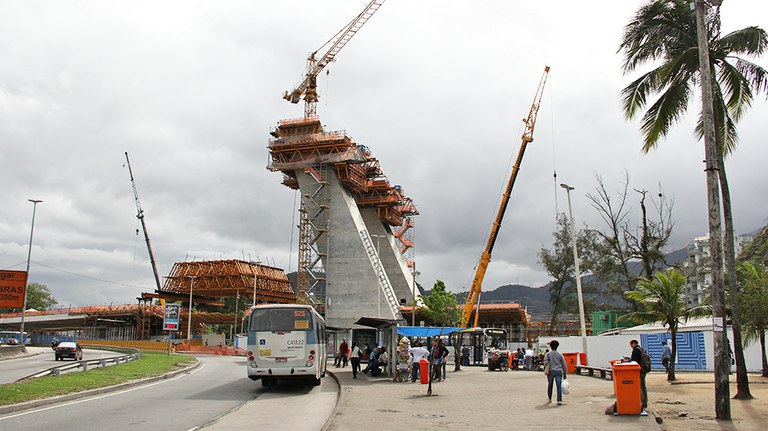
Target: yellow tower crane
[
  {"x": 485, "y": 258},
  {"x": 308, "y": 85}
]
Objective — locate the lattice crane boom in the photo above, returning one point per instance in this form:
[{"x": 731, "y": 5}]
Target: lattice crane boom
[
  {"x": 140, "y": 216},
  {"x": 308, "y": 86},
  {"x": 485, "y": 258}
]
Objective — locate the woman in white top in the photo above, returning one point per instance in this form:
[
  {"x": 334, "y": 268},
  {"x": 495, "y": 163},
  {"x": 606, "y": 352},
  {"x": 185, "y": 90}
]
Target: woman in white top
[{"x": 354, "y": 358}]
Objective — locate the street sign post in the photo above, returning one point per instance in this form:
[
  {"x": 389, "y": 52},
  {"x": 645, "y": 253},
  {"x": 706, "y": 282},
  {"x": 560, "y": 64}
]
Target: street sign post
[{"x": 171, "y": 321}]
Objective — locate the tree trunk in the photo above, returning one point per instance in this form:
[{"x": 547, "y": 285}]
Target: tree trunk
[
  {"x": 457, "y": 354},
  {"x": 671, "y": 372},
  {"x": 742, "y": 380},
  {"x": 765, "y": 360},
  {"x": 722, "y": 388}
]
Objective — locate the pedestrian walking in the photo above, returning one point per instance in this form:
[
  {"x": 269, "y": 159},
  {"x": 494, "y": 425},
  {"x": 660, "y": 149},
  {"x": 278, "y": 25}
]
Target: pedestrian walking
[
  {"x": 554, "y": 367},
  {"x": 637, "y": 356},
  {"x": 417, "y": 353},
  {"x": 666, "y": 355},
  {"x": 354, "y": 358}
]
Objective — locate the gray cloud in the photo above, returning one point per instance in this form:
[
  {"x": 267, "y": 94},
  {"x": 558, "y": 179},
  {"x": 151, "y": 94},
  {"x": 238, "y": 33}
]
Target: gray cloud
[{"x": 437, "y": 91}]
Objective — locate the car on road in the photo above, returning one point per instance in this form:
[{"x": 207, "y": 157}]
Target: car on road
[
  {"x": 11, "y": 341},
  {"x": 68, "y": 349}
]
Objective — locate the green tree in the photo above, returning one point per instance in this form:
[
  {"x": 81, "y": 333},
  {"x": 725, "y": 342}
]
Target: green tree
[
  {"x": 663, "y": 299},
  {"x": 443, "y": 309},
  {"x": 40, "y": 297},
  {"x": 558, "y": 262},
  {"x": 441, "y": 306},
  {"x": 753, "y": 277},
  {"x": 663, "y": 32}
]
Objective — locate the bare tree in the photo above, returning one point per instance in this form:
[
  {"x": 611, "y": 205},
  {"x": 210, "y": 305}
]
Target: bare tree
[{"x": 624, "y": 242}]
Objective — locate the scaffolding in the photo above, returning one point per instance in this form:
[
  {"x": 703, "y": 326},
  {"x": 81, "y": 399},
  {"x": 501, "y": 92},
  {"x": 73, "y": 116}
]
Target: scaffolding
[
  {"x": 301, "y": 146},
  {"x": 227, "y": 278}
]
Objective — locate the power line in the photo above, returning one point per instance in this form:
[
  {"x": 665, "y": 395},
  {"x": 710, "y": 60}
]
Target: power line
[{"x": 87, "y": 276}]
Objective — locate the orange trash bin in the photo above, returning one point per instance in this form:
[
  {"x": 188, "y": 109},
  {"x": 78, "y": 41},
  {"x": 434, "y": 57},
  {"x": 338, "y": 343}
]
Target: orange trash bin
[
  {"x": 583, "y": 359},
  {"x": 626, "y": 385},
  {"x": 424, "y": 371},
  {"x": 570, "y": 361}
]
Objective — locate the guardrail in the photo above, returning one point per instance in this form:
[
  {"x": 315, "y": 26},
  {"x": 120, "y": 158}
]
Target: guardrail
[{"x": 84, "y": 365}]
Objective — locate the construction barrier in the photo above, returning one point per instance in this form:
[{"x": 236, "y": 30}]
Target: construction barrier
[{"x": 143, "y": 345}]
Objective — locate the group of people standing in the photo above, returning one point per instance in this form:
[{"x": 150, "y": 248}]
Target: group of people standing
[{"x": 437, "y": 357}]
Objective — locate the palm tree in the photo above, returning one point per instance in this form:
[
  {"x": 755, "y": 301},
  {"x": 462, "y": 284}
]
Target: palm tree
[
  {"x": 664, "y": 31},
  {"x": 663, "y": 298},
  {"x": 754, "y": 289}
]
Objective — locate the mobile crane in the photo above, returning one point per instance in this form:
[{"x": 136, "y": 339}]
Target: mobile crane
[
  {"x": 485, "y": 258},
  {"x": 308, "y": 86}
]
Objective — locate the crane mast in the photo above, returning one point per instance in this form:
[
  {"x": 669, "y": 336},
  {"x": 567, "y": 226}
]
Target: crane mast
[
  {"x": 140, "y": 216},
  {"x": 308, "y": 86},
  {"x": 485, "y": 257}
]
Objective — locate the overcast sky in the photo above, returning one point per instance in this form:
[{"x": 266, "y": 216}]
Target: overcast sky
[{"x": 436, "y": 89}]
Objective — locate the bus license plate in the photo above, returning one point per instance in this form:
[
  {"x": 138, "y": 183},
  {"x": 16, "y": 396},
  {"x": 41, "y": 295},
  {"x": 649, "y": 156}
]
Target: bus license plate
[
  {"x": 281, "y": 359},
  {"x": 265, "y": 352}
]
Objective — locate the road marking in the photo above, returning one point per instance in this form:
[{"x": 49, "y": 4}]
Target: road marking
[{"x": 102, "y": 396}]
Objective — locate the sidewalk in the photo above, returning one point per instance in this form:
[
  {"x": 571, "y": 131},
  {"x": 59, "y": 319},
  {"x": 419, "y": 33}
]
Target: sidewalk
[{"x": 476, "y": 398}]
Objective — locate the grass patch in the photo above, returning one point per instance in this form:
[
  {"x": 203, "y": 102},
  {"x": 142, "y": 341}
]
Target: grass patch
[{"x": 150, "y": 364}]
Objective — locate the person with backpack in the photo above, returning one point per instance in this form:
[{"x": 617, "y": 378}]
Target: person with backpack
[{"x": 641, "y": 357}]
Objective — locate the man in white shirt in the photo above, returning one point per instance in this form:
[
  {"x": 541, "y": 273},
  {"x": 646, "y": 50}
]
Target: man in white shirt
[{"x": 418, "y": 353}]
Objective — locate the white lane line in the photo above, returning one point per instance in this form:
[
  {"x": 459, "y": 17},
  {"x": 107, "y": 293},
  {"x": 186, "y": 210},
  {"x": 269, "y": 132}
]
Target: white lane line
[{"x": 101, "y": 396}]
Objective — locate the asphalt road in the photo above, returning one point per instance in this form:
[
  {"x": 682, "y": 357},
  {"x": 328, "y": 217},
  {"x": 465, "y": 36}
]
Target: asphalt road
[
  {"x": 14, "y": 369},
  {"x": 183, "y": 403}
]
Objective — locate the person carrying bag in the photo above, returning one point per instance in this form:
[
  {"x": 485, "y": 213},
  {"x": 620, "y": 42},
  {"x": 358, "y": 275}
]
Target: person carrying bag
[{"x": 554, "y": 368}]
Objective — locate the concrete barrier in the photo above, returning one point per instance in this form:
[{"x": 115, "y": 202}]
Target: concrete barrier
[{"x": 11, "y": 351}]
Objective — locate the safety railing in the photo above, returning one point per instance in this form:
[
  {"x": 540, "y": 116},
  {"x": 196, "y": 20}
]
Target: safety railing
[{"x": 85, "y": 365}]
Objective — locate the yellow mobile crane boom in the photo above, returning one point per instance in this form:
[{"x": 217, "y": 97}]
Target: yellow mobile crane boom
[
  {"x": 308, "y": 86},
  {"x": 485, "y": 258}
]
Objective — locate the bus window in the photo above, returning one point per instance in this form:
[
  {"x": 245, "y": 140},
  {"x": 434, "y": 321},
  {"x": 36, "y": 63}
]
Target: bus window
[{"x": 281, "y": 319}]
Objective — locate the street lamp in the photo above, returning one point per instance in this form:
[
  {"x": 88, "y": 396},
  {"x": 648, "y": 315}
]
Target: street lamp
[
  {"x": 189, "y": 317},
  {"x": 577, "y": 270},
  {"x": 29, "y": 257}
]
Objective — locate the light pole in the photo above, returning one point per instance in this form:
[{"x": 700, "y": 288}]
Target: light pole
[
  {"x": 577, "y": 270},
  {"x": 378, "y": 254},
  {"x": 189, "y": 317},
  {"x": 29, "y": 257}
]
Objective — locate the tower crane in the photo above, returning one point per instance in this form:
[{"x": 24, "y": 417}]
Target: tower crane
[
  {"x": 315, "y": 64},
  {"x": 485, "y": 258},
  {"x": 140, "y": 216}
]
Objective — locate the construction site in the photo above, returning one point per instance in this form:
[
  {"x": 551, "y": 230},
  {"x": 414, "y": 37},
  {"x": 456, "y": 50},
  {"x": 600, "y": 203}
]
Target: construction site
[{"x": 355, "y": 245}]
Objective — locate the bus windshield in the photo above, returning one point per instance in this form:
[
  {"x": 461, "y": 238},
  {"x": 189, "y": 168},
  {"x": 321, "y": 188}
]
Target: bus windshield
[{"x": 281, "y": 319}]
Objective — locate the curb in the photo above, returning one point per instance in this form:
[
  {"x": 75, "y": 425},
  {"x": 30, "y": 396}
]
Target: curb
[
  {"x": 26, "y": 405},
  {"x": 332, "y": 417}
]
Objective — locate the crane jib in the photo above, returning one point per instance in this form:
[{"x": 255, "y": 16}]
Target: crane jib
[{"x": 477, "y": 282}]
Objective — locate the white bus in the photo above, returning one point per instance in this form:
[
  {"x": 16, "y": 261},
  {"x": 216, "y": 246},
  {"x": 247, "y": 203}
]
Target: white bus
[{"x": 286, "y": 341}]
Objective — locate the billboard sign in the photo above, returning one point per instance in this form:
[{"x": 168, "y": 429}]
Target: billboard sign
[
  {"x": 171, "y": 317},
  {"x": 13, "y": 285}
]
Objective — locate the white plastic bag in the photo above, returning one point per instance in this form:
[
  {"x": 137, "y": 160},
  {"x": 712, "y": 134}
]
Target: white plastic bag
[{"x": 566, "y": 387}]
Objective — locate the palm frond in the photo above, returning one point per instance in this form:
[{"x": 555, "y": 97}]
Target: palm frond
[
  {"x": 757, "y": 76},
  {"x": 751, "y": 41},
  {"x": 667, "y": 110}
]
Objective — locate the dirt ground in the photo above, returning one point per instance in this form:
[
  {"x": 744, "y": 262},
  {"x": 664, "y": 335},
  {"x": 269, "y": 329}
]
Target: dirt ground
[{"x": 689, "y": 403}]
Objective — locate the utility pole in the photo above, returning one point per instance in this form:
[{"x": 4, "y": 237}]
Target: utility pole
[{"x": 722, "y": 389}]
